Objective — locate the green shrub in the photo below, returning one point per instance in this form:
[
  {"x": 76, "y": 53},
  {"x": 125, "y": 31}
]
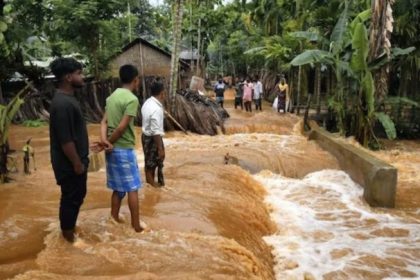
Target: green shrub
[{"x": 34, "y": 123}]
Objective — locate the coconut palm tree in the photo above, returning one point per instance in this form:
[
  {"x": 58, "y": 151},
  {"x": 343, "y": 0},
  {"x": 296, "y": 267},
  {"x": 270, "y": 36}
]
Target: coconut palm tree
[{"x": 177, "y": 9}]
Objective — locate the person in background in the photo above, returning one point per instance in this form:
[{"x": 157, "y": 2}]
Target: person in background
[
  {"x": 258, "y": 92},
  {"x": 219, "y": 89},
  {"x": 118, "y": 139},
  {"x": 152, "y": 126},
  {"x": 28, "y": 152},
  {"x": 288, "y": 96},
  {"x": 239, "y": 93},
  {"x": 69, "y": 143},
  {"x": 282, "y": 89},
  {"x": 248, "y": 90}
]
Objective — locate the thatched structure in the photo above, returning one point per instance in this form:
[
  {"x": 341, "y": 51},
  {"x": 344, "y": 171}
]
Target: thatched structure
[{"x": 196, "y": 113}]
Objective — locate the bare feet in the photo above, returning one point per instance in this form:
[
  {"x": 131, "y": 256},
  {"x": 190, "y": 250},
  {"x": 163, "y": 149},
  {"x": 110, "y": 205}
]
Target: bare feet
[
  {"x": 136, "y": 224},
  {"x": 138, "y": 228},
  {"x": 116, "y": 218},
  {"x": 68, "y": 235},
  {"x": 154, "y": 184}
]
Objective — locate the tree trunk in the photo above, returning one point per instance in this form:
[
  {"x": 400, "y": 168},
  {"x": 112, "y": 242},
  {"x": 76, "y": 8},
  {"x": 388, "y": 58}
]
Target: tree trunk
[
  {"x": 198, "y": 70},
  {"x": 327, "y": 83},
  {"x": 291, "y": 89},
  {"x": 177, "y": 25},
  {"x": 95, "y": 54},
  {"x": 192, "y": 39},
  {"x": 221, "y": 59},
  {"x": 3, "y": 163},
  {"x": 201, "y": 60},
  {"x": 298, "y": 90},
  {"x": 317, "y": 89},
  {"x": 1, "y": 95},
  {"x": 380, "y": 42}
]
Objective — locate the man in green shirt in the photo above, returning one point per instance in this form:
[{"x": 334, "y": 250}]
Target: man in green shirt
[{"x": 118, "y": 140}]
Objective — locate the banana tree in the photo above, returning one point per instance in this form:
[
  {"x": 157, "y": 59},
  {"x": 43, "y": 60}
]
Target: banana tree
[
  {"x": 7, "y": 112},
  {"x": 365, "y": 105},
  {"x": 351, "y": 66},
  {"x": 335, "y": 57}
]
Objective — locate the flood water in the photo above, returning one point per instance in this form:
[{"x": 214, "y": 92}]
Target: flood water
[{"x": 280, "y": 209}]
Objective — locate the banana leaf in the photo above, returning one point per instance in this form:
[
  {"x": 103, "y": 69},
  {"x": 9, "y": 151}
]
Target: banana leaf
[
  {"x": 339, "y": 31},
  {"x": 395, "y": 52},
  {"x": 360, "y": 45},
  {"x": 311, "y": 57},
  {"x": 7, "y": 113},
  {"x": 369, "y": 91},
  {"x": 387, "y": 124},
  {"x": 309, "y": 35},
  {"x": 360, "y": 18},
  {"x": 397, "y": 100},
  {"x": 383, "y": 59},
  {"x": 7, "y": 117}
]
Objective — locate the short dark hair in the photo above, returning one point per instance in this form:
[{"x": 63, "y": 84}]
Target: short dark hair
[
  {"x": 156, "y": 88},
  {"x": 128, "y": 73},
  {"x": 64, "y": 65}
]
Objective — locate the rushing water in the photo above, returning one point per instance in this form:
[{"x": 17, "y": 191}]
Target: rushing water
[
  {"x": 327, "y": 231},
  {"x": 279, "y": 209}
]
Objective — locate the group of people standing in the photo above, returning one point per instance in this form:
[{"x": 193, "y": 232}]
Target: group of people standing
[
  {"x": 70, "y": 145},
  {"x": 246, "y": 92}
]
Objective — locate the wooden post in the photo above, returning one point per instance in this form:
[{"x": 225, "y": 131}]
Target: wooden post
[
  {"x": 177, "y": 123},
  {"x": 305, "y": 118},
  {"x": 143, "y": 82}
]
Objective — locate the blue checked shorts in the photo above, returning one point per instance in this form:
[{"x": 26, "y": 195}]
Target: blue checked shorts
[{"x": 122, "y": 171}]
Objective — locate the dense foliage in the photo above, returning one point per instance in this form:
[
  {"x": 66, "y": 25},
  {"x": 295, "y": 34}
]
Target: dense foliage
[{"x": 343, "y": 48}]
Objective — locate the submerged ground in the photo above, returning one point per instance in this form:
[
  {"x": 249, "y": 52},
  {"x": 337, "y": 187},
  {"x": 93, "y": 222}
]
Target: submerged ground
[{"x": 279, "y": 209}]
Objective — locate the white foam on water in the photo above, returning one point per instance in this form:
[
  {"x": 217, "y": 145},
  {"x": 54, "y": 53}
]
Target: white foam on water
[{"x": 324, "y": 226}]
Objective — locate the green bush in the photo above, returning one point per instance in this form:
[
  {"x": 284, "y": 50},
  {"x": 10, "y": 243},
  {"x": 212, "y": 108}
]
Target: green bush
[{"x": 34, "y": 123}]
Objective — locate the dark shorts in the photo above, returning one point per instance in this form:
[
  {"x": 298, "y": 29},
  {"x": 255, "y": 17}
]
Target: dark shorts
[{"x": 150, "y": 150}]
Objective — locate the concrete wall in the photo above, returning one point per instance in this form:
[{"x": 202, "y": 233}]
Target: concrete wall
[{"x": 378, "y": 178}]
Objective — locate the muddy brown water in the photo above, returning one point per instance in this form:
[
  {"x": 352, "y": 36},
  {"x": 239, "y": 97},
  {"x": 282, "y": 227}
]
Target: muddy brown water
[{"x": 209, "y": 222}]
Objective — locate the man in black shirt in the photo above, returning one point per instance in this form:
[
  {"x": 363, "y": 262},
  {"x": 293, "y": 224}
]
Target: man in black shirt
[
  {"x": 69, "y": 143},
  {"x": 219, "y": 89},
  {"x": 239, "y": 93}
]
